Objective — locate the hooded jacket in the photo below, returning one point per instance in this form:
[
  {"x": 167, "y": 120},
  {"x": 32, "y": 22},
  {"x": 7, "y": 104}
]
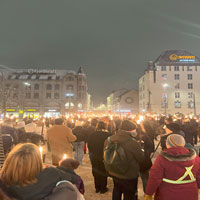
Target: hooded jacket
[
  {"x": 171, "y": 164},
  {"x": 47, "y": 181},
  {"x": 133, "y": 152}
]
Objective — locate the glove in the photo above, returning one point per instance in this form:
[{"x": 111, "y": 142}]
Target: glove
[{"x": 147, "y": 197}]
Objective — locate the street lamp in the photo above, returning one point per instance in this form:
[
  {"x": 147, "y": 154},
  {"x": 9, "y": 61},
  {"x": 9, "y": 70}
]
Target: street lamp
[{"x": 165, "y": 86}]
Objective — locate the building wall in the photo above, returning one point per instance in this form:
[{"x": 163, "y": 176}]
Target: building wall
[
  {"x": 70, "y": 96},
  {"x": 159, "y": 85}
]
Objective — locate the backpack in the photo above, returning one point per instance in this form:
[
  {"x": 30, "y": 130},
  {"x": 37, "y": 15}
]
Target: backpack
[{"x": 115, "y": 158}]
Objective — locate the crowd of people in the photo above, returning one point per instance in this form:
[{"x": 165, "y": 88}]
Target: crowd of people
[{"x": 120, "y": 148}]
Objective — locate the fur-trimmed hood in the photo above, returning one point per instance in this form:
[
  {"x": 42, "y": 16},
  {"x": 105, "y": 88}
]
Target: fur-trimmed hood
[{"x": 179, "y": 154}]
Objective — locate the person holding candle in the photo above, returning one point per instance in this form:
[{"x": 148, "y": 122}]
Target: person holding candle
[
  {"x": 60, "y": 138},
  {"x": 26, "y": 178}
]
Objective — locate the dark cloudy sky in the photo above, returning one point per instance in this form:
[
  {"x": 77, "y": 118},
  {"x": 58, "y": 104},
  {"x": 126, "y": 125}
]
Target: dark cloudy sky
[{"x": 112, "y": 39}]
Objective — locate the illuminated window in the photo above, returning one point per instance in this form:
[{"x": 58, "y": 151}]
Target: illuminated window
[
  {"x": 190, "y": 104},
  {"x": 69, "y": 105},
  {"x": 177, "y": 104},
  {"x": 80, "y": 105},
  {"x": 164, "y": 76}
]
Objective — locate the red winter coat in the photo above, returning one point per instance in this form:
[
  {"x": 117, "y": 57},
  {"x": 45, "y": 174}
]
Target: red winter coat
[{"x": 170, "y": 164}]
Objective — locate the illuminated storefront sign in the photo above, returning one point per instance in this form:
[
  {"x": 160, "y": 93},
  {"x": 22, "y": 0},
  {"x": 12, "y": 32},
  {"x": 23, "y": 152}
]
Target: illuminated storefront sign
[
  {"x": 31, "y": 110},
  {"x": 10, "y": 110},
  {"x": 174, "y": 57}
]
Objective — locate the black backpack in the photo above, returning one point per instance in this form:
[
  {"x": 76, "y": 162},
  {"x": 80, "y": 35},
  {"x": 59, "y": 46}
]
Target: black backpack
[{"x": 115, "y": 158}]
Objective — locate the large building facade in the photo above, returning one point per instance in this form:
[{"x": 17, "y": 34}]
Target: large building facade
[
  {"x": 44, "y": 92},
  {"x": 123, "y": 101},
  {"x": 171, "y": 84}
]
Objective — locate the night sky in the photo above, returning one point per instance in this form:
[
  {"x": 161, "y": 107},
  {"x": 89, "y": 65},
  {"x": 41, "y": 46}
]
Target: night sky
[{"x": 112, "y": 39}]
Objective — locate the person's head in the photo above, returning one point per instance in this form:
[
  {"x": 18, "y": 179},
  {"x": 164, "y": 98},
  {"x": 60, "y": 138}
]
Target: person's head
[
  {"x": 169, "y": 120},
  {"x": 101, "y": 125},
  {"x": 94, "y": 122},
  {"x": 175, "y": 140},
  {"x": 127, "y": 125},
  {"x": 59, "y": 121},
  {"x": 69, "y": 163},
  {"x": 173, "y": 127},
  {"x": 22, "y": 165}
]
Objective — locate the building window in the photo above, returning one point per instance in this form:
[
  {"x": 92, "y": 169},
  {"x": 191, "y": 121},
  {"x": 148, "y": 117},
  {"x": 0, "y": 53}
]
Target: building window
[
  {"x": 80, "y": 106},
  {"x": 176, "y": 68},
  {"x": 164, "y": 104},
  {"x": 28, "y": 87},
  {"x": 36, "y": 87},
  {"x": 69, "y": 105},
  {"x": 48, "y": 95},
  {"x": 189, "y": 68},
  {"x": 190, "y": 104},
  {"x": 15, "y": 96},
  {"x": 190, "y": 86},
  {"x": 49, "y": 87},
  {"x": 164, "y": 95},
  {"x": 79, "y": 95},
  {"x": 28, "y": 95},
  {"x": 36, "y": 95},
  {"x": 57, "y": 87},
  {"x": 164, "y": 76},
  {"x": 177, "y": 95},
  {"x": 69, "y": 87},
  {"x": 56, "y": 96},
  {"x": 190, "y": 95},
  {"x": 70, "y": 78},
  {"x": 177, "y": 86},
  {"x": 189, "y": 76},
  {"x": 176, "y": 76},
  {"x": 163, "y": 68},
  {"x": 177, "y": 104}
]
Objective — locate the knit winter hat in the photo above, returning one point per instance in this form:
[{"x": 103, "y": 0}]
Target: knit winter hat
[
  {"x": 174, "y": 127},
  {"x": 127, "y": 125},
  {"x": 175, "y": 140}
]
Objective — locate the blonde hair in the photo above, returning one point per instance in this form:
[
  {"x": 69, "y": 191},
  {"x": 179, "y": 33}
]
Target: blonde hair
[{"x": 22, "y": 165}]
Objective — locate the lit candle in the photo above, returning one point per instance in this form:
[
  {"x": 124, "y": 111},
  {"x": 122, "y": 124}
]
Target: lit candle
[
  {"x": 41, "y": 150},
  {"x": 64, "y": 156}
]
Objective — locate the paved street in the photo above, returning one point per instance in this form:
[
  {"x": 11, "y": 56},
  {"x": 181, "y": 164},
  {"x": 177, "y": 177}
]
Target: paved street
[{"x": 85, "y": 172}]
